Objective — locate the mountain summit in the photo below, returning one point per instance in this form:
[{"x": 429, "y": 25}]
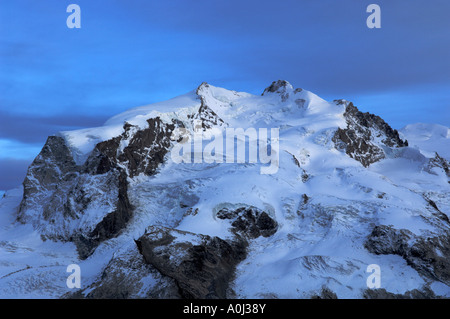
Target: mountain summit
[{"x": 174, "y": 200}]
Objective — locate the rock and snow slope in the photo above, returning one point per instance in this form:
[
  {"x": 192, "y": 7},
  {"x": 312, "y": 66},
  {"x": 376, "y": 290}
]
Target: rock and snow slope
[
  {"x": 429, "y": 138},
  {"x": 349, "y": 191}
]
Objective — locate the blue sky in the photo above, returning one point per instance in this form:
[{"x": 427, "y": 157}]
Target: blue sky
[{"x": 135, "y": 52}]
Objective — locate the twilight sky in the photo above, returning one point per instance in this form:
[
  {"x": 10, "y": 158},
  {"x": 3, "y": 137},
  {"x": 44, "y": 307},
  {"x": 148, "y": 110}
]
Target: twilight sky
[{"x": 134, "y": 52}]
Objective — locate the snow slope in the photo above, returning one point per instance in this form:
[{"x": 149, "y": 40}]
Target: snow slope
[{"x": 428, "y": 138}]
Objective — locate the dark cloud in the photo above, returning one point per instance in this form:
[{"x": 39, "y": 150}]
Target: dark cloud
[
  {"x": 12, "y": 172},
  {"x": 129, "y": 53},
  {"x": 35, "y": 129}
]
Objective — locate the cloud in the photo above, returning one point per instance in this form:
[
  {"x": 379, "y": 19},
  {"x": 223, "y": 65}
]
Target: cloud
[
  {"x": 11, "y": 149},
  {"x": 12, "y": 172},
  {"x": 23, "y": 136},
  {"x": 133, "y": 53},
  {"x": 35, "y": 129}
]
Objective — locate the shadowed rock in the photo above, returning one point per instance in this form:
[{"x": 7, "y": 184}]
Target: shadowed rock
[
  {"x": 282, "y": 88},
  {"x": 430, "y": 256},
  {"x": 53, "y": 167},
  {"x": 325, "y": 293},
  {"x": 205, "y": 114},
  {"x": 365, "y": 135},
  {"x": 58, "y": 192},
  {"x": 249, "y": 222},
  {"x": 144, "y": 152},
  {"x": 202, "y": 266},
  {"x": 439, "y": 162},
  {"x": 111, "y": 225},
  {"x": 382, "y": 293}
]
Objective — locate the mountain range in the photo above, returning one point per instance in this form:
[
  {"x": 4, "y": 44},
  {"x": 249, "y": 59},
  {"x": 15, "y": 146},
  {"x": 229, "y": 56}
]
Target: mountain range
[{"x": 349, "y": 191}]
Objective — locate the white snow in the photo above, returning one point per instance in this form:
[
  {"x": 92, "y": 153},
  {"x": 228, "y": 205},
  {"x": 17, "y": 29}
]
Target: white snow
[{"x": 428, "y": 138}]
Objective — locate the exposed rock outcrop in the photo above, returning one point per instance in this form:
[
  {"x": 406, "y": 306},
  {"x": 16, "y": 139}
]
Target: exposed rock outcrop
[
  {"x": 128, "y": 276},
  {"x": 205, "y": 115},
  {"x": 277, "y": 87},
  {"x": 53, "y": 168},
  {"x": 249, "y": 222},
  {"x": 325, "y": 293},
  {"x": 284, "y": 89},
  {"x": 143, "y": 149},
  {"x": 439, "y": 162},
  {"x": 430, "y": 256},
  {"x": 381, "y": 293},
  {"x": 111, "y": 225},
  {"x": 88, "y": 203},
  {"x": 202, "y": 266},
  {"x": 365, "y": 136}
]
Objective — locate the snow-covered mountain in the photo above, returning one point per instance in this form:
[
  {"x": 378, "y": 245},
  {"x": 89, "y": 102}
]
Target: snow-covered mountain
[
  {"x": 428, "y": 138},
  {"x": 348, "y": 191}
]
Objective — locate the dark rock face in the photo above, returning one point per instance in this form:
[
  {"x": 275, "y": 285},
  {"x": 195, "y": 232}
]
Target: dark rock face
[
  {"x": 277, "y": 87},
  {"x": 430, "y": 256},
  {"x": 437, "y": 212},
  {"x": 147, "y": 148},
  {"x": 208, "y": 117},
  {"x": 124, "y": 277},
  {"x": 67, "y": 191},
  {"x": 144, "y": 152},
  {"x": 325, "y": 293},
  {"x": 440, "y": 162},
  {"x": 64, "y": 187},
  {"x": 381, "y": 293},
  {"x": 357, "y": 147},
  {"x": 202, "y": 266},
  {"x": 283, "y": 88},
  {"x": 111, "y": 224},
  {"x": 249, "y": 222},
  {"x": 103, "y": 158},
  {"x": 53, "y": 166},
  {"x": 205, "y": 115},
  {"x": 387, "y": 240},
  {"x": 358, "y": 140}
]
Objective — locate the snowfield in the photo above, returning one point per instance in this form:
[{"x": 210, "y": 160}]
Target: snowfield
[{"x": 428, "y": 138}]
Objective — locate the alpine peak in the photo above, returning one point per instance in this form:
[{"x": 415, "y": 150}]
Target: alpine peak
[
  {"x": 349, "y": 190},
  {"x": 280, "y": 86}
]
